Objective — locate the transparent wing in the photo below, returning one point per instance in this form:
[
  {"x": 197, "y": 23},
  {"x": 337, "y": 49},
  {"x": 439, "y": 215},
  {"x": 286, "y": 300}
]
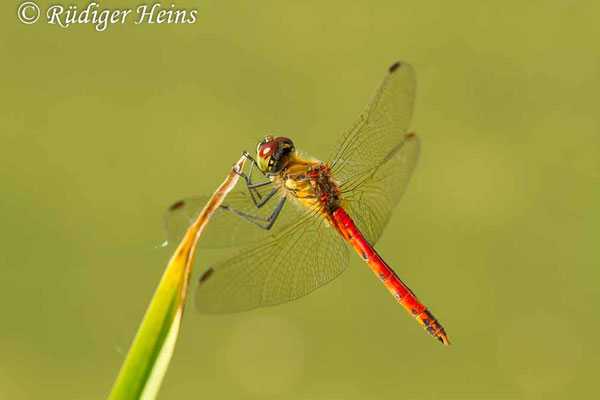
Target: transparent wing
[
  {"x": 372, "y": 163},
  {"x": 380, "y": 129},
  {"x": 372, "y": 197},
  {"x": 303, "y": 257},
  {"x": 225, "y": 228}
]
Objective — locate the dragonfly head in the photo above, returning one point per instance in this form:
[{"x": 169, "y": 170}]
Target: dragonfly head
[{"x": 272, "y": 153}]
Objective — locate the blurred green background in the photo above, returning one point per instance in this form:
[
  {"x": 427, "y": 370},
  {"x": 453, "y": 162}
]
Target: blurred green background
[{"x": 497, "y": 233}]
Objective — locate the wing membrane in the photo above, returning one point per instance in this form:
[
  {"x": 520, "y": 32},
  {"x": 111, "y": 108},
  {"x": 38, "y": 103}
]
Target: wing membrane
[
  {"x": 303, "y": 257},
  {"x": 373, "y": 162},
  {"x": 372, "y": 198}
]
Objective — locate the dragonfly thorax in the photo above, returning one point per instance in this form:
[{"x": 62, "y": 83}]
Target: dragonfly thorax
[{"x": 311, "y": 183}]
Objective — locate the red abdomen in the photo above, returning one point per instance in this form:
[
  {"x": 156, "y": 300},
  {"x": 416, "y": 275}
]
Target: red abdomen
[{"x": 344, "y": 224}]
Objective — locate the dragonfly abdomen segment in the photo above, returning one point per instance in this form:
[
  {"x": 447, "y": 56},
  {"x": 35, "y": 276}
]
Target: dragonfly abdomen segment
[{"x": 386, "y": 274}]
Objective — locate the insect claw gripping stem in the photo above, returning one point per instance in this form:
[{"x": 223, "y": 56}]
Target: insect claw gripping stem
[
  {"x": 254, "y": 193},
  {"x": 239, "y": 173},
  {"x": 253, "y": 187},
  {"x": 248, "y": 156}
]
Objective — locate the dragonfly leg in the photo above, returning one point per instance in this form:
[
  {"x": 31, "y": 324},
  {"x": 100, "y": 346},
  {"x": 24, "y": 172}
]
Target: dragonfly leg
[
  {"x": 252, "y": 187},
  {"x": 240, "y": 173},
  {"x": 265, "y": 199},
  {"x": 256, "y": 220}
]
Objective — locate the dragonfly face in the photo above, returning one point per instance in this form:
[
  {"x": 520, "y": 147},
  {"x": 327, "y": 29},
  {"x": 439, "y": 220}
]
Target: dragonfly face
[{"x": 273, "y": 153}]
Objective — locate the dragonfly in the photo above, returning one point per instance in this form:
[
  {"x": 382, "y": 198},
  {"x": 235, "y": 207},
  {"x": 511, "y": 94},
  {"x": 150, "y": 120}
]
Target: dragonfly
[{"x": 293, "y": 224}]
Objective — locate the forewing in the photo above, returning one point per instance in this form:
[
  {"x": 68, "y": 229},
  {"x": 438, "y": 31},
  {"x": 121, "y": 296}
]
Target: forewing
[
  {"x": 303, "y": 257},
  {"x": 373, "y": 161},
  {"x": 380, "y": 129}
]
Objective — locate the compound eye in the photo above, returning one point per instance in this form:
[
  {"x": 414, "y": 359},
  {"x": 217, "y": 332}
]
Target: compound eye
[{"x": 267, "y": 149}]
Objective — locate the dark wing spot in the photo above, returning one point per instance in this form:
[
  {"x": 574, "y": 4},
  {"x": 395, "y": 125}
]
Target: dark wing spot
[
  {"x": 395, "y": 66},
  {"x": 411, "y": 136},
  {"x": 177, "y": 205},
  {"x": 206, "y": 275}
]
